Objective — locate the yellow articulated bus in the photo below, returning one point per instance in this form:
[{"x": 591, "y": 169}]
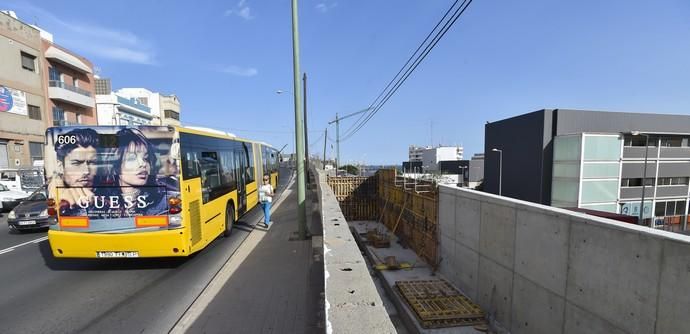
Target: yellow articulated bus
[{"x": 148, "y": 191}]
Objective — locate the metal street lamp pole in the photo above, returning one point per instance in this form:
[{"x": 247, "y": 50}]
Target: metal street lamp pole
[
  {"x": 500, "y": 170},
  {"x": 325, "y": 139},
  {"x": 299, "y": 130},
  {"x": 644, "y": 176},
  {"x": 306, "y": 129}
]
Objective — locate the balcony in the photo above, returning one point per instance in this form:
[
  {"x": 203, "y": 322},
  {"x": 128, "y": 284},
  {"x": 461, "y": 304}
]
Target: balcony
[
  {"x": 62, "y": 122},
  {"x": 56, "y": 54},
  {"x": 64, "y": 92}
]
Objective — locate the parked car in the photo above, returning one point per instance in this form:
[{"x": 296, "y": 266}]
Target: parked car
[
  {"x": 32, "y": 213},
  {"x": 10, "y": 198}
]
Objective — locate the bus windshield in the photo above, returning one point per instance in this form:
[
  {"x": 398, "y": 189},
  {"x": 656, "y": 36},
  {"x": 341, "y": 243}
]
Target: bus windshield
[{"x": 113, "y": 178}]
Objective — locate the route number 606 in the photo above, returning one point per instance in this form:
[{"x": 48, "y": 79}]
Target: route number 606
[{"x": 66, "y": 139}]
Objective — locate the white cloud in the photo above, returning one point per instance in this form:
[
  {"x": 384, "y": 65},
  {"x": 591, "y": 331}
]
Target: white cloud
[
  {"x": 240, "y": 10},
  {"x": 325, "y": 6},
  {"x": 239, "y": 71},
  {"x": 92, "y": 39}
]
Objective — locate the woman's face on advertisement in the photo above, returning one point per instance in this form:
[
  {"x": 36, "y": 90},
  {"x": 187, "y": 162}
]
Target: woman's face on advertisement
[{"x": 135, "y": 168}]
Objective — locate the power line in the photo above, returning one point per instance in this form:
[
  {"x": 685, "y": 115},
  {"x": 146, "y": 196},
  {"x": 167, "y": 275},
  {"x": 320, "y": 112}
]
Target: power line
[
  {"x": 406, "y": 63},
  {"x": 418, "y": 61},
  {"x": 448, "y": 24}
]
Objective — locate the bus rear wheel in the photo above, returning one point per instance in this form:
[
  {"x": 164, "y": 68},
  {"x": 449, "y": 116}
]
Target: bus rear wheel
[{"x": 229, "y": 220}]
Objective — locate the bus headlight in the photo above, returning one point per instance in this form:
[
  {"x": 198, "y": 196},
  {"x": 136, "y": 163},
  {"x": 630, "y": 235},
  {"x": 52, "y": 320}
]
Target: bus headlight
[{"x": 11, "y": 215}]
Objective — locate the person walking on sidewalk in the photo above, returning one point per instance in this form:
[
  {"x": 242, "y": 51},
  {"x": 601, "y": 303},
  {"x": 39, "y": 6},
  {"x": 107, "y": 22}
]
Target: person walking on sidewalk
[{"x": 266, "y": 198}]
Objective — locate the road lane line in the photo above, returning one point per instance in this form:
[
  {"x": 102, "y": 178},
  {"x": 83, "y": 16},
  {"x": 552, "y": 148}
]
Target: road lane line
[
  {"x": 35, "y": 241},
  {"x": 226, "y": 271}
]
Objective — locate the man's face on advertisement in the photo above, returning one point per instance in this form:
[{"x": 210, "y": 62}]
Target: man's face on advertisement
[{"x": 79, "y": 167}]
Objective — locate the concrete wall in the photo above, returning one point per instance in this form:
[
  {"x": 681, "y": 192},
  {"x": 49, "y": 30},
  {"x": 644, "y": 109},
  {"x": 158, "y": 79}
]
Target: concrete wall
[
  {"x": 539, "y": 269},
  {"x": 352, "y": 303}
]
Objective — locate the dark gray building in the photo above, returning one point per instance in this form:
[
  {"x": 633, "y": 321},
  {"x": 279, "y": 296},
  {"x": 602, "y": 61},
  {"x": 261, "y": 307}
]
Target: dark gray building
[{"x": 593, "y": 160}]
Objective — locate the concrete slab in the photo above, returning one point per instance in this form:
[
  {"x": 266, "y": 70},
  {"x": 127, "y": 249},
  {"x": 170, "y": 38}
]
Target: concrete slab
[
  {"x": 541, "y": 249},
  {"x": 614, "y": 274},
  {"x": 448, "y": 265},
  {"x": 446, "y": 217},
  {"x": 578, "y": 321},
  {"x": 467, "y": 262},
  {"x": 535, "y": 309},
  {"x": 495, "y": 290},
  {"x": 467, "y": 221},
  {"x": 674, "y": 298},
  {"x": 497, "y": 235}
]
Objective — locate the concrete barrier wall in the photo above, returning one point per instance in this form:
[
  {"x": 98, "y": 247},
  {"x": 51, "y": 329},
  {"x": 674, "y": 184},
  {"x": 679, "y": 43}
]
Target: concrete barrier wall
[
  {"x": 353, "y": 304},
  {"x": 538, "y": 269}
]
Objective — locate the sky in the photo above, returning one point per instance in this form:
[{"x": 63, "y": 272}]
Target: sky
[{"x": 225, "y": 60}]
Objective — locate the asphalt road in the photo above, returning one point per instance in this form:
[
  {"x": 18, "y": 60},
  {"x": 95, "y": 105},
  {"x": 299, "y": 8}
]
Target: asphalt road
[{"x": 41, "y": 294}]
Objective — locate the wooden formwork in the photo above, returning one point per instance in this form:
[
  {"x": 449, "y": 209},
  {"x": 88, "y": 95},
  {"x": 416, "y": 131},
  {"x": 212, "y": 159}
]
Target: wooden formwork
[
  {"x": 357, "y": 196},
  {"x": 412, "y": 216}
]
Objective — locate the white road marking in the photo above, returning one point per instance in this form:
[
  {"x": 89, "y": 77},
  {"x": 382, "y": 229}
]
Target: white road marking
[{"x": 35, "y": 241}]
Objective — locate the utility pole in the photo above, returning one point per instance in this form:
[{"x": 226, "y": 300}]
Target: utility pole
[
  {"x": 337, "y": 134},
  {"x": 299, "y": 131},
  {"x": 325, "y": 139},
  {"x": 306, "y": 129}
]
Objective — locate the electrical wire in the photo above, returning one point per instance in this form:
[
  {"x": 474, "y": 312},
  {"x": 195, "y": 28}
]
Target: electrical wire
[
  {"x": 448, "y": 24},
  {"x": 406, "y": 63}
]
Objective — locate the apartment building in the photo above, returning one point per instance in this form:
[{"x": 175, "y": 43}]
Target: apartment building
[
  {"x": 594, "y": 160},
  {"x": 70, "y": 85},
  {"x": 23, "y": 109}
]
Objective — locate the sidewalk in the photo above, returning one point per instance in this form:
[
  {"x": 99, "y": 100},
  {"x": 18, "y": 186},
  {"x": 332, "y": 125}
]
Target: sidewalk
[{"x": 277, "y": 288}]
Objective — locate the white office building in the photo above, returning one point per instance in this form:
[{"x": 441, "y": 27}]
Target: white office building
[
  {"x": 114, "y": 109},
  {"x": 165, "y": 109},
  {"x": 430, "y": 156}
]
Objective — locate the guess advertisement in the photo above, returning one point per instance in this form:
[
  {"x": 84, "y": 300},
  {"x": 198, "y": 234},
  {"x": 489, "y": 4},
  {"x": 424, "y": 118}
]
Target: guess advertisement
[{"x": 111, "y": 174}]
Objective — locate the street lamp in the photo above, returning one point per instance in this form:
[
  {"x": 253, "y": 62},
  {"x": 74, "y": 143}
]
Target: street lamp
[
  {"x": 644, "y": 175},
  {"x": 463, "y": 169},
  {"x": 500, "y": 169}
]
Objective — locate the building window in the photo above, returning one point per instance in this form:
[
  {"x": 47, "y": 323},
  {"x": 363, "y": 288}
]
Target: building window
[
  {"x": 672, "y": 142},
  {"x": 54, "y": 74},
  {"x": 143, "y": 100},
  {"x": 636, "y": 182},
  {"x": 36, "y": 151},
  {"x": 58, "y": 116},
  {"x": 673, "y": 181},
  {"x": 34, "y": 112},
  {"x": 172, "y": 114},
  {"x": 630, "y": 140},
  {"x": 28, "y": 62},
  {"x": 669, "y": 208}
]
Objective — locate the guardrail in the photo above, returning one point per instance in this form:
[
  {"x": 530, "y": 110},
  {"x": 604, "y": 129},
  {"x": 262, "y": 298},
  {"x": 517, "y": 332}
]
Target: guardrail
[{"x": 64, "y": 85}]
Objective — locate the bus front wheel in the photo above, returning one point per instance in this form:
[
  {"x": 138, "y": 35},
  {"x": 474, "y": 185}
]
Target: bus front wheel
[{"x": 229, "y": 220}]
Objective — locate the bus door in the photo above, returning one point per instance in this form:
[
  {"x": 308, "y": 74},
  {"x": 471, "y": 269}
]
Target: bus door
[{"x": 241, "y": 165}]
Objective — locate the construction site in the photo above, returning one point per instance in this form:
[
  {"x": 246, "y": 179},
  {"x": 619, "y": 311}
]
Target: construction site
[{"x": 453, "y": 260}]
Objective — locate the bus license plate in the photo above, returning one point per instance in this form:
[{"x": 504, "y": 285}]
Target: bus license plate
[
  {"x": 117, "y": 254},
  {"x": 27, "y": 222}
]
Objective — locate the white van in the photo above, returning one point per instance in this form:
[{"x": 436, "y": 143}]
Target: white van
[{"x": 24, "y": 180}]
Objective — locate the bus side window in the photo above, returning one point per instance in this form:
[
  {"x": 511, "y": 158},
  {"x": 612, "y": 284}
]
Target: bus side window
[
  {"x": 227, "y": 164},
  {"x": 210, "y": 175}
]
